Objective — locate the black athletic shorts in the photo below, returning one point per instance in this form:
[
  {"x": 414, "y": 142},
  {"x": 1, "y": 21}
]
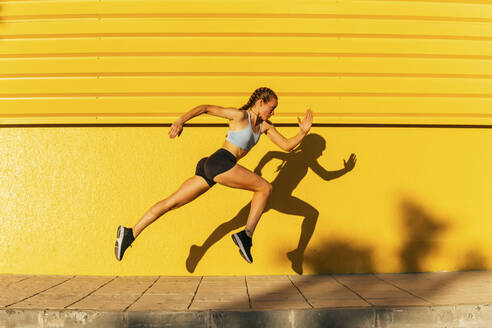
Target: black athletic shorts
[{"x": 219, "y": 162}]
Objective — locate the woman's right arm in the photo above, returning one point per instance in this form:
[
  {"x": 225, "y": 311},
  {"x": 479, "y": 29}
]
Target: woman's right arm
[{"x": 229, "y": 113}]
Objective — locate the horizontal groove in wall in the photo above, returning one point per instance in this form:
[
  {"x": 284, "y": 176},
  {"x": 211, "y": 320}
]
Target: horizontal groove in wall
[
  {"x": 416, "y": 1},
  {"x": 273, "y": 74},
  {"x": 209, "y": 125},
  {"x": 243, "y": 54},
  {"x": 27, "y": 48},
  {"x": 464, "y": 2},
  {"x": 219, "y": 125},
  {"x": 279, "y": 120},
  {"x": 243, "y": 94},
  {"x": 245, "y": 34},
  {"x": 282, "y": 115},
  {"x": 245, "y": 15}
]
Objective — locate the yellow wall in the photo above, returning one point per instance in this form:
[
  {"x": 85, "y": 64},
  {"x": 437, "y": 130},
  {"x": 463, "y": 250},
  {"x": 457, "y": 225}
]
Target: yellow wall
[
  {"x": 65, "y": 190},
  {"x": 407, "y": 82}
]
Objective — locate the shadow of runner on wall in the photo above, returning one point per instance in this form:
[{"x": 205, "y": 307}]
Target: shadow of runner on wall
[
  {"x": 420, "y": 234},
  {"x": 293, "y": 169},
  {"x": 337, "y": 256}
]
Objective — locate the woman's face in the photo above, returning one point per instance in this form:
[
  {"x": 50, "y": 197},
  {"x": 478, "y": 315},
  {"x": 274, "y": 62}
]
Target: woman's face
[{"x": 266, "y": 109}]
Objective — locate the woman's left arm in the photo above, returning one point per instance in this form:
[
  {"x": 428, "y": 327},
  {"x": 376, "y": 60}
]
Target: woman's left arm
[{"x": 288, "y": 144}]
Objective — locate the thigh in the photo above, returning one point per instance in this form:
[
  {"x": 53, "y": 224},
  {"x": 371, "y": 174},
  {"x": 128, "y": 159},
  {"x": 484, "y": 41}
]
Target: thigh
[
  {"x": 189, "y": 190},
  {"x": 242, "y": 178},
  {"x": 219, "y": 162}
]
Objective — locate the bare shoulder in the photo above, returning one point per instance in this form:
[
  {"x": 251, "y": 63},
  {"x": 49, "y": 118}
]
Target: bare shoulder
[{"x": 268, "y": 125}]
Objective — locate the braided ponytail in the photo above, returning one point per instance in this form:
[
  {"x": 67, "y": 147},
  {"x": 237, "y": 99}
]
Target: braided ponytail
[{"x": 263, "y": 93}]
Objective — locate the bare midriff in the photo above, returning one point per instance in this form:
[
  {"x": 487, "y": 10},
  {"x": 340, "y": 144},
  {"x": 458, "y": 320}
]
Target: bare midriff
[{"x": 235, "y": 150}]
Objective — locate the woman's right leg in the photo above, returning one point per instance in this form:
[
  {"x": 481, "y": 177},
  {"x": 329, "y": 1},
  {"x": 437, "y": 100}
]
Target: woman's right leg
[{"x": 189, "y": 190}]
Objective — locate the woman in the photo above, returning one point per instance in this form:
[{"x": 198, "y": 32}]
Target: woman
[{"x": 245, "y": 127}]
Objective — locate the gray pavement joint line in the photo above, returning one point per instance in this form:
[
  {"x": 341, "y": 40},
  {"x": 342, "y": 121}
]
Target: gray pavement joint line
[
  {"x": 353, "y": 291},
  {"x": 299, "y": 290},
  {"x": 24, "y": 279},
  {"x": 25, "y": 298},
  {"x": 17, "y": 281},
  {"x": 95, "y": 290},
  {"x": 196, "y": 291},
  {"x": 247, "y": 291},
  {"x": 135, "y": 301},
  {"x": 402, "y": 289}
]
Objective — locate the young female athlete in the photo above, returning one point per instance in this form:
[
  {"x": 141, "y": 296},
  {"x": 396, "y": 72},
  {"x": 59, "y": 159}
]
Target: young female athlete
[{"x": 245, "y": 127}]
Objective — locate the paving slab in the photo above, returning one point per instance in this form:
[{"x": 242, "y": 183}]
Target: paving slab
[
  {"x": 453, "y": 287},
  {"x": 117, "y": 295},
  {"x": 17, "y": 291},
  {"x": 221, "y": 293},
  {"x": 378, "y": 292},
  {"x": 168, "y": 294},
  {"x": 325, "y": 292},
  {"x": 443, "y": 299},
  {"x": 63, "y": 295},
  {"x": 275, "y": 292}
]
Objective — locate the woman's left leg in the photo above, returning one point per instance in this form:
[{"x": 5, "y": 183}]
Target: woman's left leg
[
  {"x": 187, "y": 192},
  {"x": 242, "y": 178}
]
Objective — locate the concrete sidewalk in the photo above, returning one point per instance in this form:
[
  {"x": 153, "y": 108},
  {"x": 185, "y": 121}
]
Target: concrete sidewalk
[{"x": 445, "y": 299}]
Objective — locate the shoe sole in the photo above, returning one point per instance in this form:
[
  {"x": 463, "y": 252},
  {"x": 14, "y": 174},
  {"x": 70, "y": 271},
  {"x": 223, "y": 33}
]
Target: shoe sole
[
  {"x": 240, "y": 253},
  {"x": 238, "y": 242},
  {"x": 119, "y": 240}
]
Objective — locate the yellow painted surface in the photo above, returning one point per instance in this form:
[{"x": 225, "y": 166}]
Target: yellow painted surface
[
  {"x": 416, "y": 200},
  {"x": 353, "y": 61}
]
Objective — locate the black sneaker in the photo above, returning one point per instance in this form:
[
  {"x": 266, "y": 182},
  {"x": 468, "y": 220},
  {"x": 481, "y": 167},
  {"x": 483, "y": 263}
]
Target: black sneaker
[
  {"x": 243, "y": 241},
  {"x": 124, "y": 238}
]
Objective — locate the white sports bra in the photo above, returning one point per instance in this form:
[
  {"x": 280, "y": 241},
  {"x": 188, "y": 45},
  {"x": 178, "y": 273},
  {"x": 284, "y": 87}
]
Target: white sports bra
[{"x": 245, "y": 138}]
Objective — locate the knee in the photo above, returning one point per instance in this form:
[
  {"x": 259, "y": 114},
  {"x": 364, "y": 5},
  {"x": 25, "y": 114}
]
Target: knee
[
  {"x": 174, "y": 203},
  {"x": 166, "y": 205},
  {"x": 266, "y": 187}
]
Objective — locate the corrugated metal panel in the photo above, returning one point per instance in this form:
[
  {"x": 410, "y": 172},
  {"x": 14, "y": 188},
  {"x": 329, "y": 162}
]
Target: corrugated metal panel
[{"x": 147, "y": 61}]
